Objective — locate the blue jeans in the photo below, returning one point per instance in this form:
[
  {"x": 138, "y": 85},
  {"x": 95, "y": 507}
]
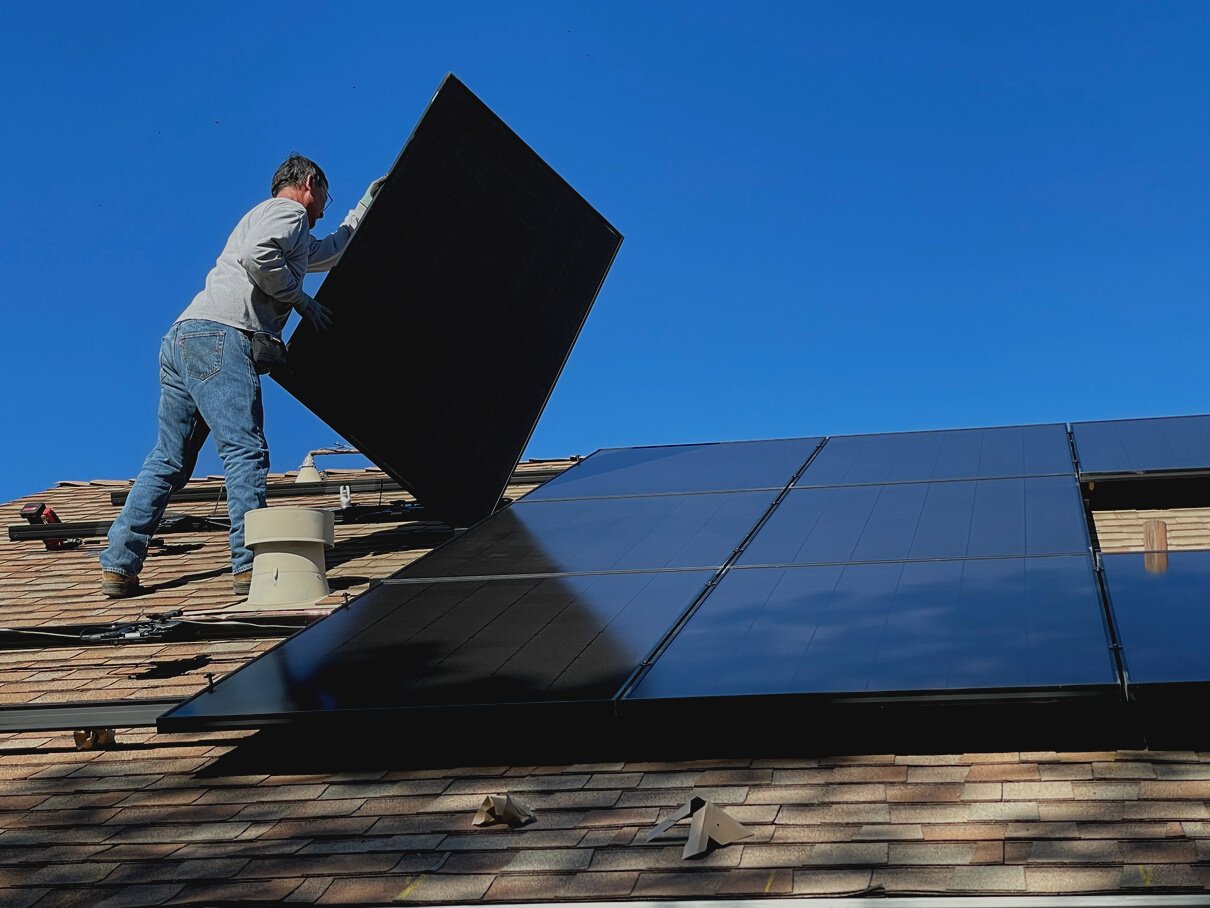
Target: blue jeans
[{"x": 207, "y": 384}]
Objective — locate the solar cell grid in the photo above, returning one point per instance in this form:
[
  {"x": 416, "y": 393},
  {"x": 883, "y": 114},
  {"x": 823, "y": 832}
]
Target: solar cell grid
[
  {"x": 608, "y": 534},
  {"x": 1041, "y": 450},
  {"x": 496, "y": 641},
  {"x": 907, "y": 521},
  {"x": 910, "y": 564},
  {"x": 1161, "y": 603},
  {"x": 1132, "y": 446},
  {"x": 892, "y": 627},
  {"x": 673, "y": 469}
]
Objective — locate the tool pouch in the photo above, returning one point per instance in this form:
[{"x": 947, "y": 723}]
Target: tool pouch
[{"x": 268, "y": 352}]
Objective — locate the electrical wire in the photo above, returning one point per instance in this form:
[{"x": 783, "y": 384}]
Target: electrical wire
[
  {"x": 227, "y": 621},
  {"x": 21, "y": 630}
]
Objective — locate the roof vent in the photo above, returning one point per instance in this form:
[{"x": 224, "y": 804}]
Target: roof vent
[
  {"x": 308, "y": 471},
  {"x": 288, "y": 568}
]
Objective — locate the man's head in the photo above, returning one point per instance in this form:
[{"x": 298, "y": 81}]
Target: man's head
[{"x": 302, "y": 180}]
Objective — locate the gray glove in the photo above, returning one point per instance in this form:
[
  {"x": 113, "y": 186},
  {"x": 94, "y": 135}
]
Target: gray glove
[
  {"x": 354, "y": 217},
  {"x": 318, "y": 315},
  {"x": 373, "y": 191}
]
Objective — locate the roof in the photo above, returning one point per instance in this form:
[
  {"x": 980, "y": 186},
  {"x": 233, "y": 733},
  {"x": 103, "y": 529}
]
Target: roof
[{"x": 203, "y": 818}]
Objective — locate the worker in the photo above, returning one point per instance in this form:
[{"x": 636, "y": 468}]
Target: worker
[{"x": 209, "y": 379}]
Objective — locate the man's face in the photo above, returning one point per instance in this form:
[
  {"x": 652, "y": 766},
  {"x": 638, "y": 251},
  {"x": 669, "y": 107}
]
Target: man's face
[{"x": 316, "y": 200}]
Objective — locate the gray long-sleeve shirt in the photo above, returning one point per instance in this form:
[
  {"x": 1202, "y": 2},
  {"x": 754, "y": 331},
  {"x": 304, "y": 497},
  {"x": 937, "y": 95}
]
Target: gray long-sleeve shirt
[{"x": 258, "y": 277}]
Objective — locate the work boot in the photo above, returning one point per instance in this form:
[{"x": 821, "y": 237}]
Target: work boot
[
  {"x": 118, "y": 586},
  {"x": 241, "y": 584}
]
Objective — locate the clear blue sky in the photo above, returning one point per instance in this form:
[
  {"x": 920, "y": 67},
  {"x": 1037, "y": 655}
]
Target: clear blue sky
[{"x": 839, "y": 217}]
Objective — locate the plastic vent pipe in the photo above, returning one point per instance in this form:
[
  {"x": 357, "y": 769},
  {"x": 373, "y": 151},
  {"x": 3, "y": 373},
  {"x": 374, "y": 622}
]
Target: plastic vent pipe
[{"x": 288, "y": 569}]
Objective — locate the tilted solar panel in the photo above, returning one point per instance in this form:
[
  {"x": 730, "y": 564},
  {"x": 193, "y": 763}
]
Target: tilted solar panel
[{"x": 454, "y": 306}]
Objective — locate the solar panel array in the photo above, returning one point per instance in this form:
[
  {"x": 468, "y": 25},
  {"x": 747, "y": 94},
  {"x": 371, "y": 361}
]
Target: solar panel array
[
  {"x": 551, "y": 599},
  {"x": 896, "y": 564},
  {"x": 934, "y": 563}
]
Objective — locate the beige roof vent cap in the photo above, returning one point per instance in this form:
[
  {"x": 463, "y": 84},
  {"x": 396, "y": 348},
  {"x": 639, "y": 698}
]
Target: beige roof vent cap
[{"x": 288, "y": 569}]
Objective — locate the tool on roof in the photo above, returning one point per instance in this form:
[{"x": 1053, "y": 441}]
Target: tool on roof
[{"x": 40, "y": 515}]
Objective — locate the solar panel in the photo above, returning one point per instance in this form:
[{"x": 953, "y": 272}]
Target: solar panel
[
  {"x": 455, "y": 306},
  {"x": 1161, "y": 604},
  {"x": 965, "y": 569},
  {"x": 411, "y": 645},
  {"x": 609, "y": 534},
  {"x": 990, "y": 517},
  {"x": 670, "y": 469},
  {"x": 1041, "y": 450},
  {"x": 1125, "y": 447},
  {"x": 1020, "y": 623}
]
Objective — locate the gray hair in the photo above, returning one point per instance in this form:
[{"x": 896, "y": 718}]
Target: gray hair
[{"x": 295, "y": 171}]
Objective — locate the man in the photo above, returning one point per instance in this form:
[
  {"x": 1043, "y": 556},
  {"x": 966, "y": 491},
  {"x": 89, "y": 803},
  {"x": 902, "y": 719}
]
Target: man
[{"x": 208, "y": 381}]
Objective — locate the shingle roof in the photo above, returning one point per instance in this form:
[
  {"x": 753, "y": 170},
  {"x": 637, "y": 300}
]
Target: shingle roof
[
  {"x": 1122, "y": 531},
  {"x": 222, "y": 816}
]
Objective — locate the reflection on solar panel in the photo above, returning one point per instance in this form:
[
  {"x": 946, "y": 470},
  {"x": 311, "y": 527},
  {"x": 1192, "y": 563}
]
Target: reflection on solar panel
[
  {"x": 730, "y": 466},
  {"x": 460, "y": 642},
  {"x": 611, "y": 534},
  {"x": 942, "y": 564},
  {"x": 1130, "y": 446},
  {"x": 1162, "y": 606},
  {"x": 905, "y": 521},
  {"x": 456, "y": 304},
  {"x": 953, "y": 454},
  {"x": 923, "y": 626}
]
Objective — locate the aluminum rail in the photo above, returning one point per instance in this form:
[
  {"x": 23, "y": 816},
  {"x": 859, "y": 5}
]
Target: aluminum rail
[
  {"x": 74, "y": 716},
  {"x": 327, "y": 487},
  {"x": 88, "y": 529}
]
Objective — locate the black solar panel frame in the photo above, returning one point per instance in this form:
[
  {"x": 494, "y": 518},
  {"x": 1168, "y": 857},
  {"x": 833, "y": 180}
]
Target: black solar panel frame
[{"x": 462, "y": 470}]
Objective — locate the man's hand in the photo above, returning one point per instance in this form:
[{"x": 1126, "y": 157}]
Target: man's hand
[
  {"x": 317, "y": 314},
  {"x": 353, "y": 219},
  {"x": 373, "y": 191}
]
